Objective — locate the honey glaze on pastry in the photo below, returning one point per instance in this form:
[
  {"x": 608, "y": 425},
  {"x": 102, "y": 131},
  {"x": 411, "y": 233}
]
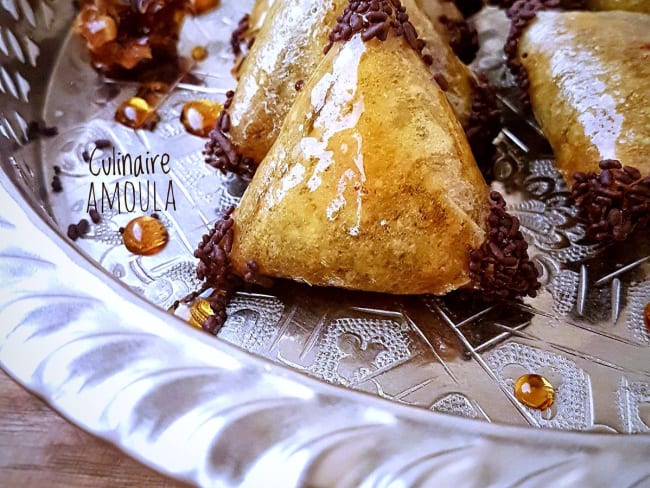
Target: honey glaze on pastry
[
  {"x": 371, "y": 184},
  {"x": 269, "y": 86},
  {"x": 585, "y": 75}
]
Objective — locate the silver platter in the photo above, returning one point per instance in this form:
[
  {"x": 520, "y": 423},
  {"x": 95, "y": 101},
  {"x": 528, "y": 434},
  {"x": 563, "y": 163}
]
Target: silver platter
[{"x": 303, "y": 387}]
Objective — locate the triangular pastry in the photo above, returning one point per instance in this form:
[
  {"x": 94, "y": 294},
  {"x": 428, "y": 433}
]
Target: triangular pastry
[
  {"x": 585, "y": 76},
  {"x": 371, "y": 184},
  {"x": 285, "y": 54}
]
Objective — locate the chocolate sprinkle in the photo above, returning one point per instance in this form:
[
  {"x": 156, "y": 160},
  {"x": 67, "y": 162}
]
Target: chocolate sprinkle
[
  {"x": 614, "y": 203},
  {"x": 221, "y": 153},
  {"x": 103, "y": 143},
  {"x": 95, "y": 216},
  {"x": 463, "y": 38},
  {"x": 375, "y": 19},
  {"x": 299, "y": 84},
  {"x": 57, "y": 187},
  {"x": 238, "y": 36},
  {"x": 483, "y": 125},
  {"x": 73, "y": 232},
  {"x": 501, "y": 268},
  {"x": 83, "y": 227},
  {"x": 522, "y": 13},
  {"x": 215, "y": 269}
]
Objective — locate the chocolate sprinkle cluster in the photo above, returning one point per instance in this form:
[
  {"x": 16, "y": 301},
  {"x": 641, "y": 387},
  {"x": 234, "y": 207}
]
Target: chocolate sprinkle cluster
[
  {"x": 614, "y": 203},
  {"x": 483, "y": 125},
  {"x": 238, "y": 36},
  {"x": 376, "y": 19},
  {"x": 522, "y": 13},
  {"x": 463, "y": 38},
  {"x": 566, "y": 4},
  {"x": 221, "y": 153},
  {"x": 215, "y": 269},
  {"x": 501, "y": 267}
]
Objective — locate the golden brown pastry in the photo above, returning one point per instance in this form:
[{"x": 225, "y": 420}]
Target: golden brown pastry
[
  {"x": 454, "y": 77},
  {"x": 589, "y": 78},
  {"x": 244, "y": 35},
  {"x": 585, "y": 75},
  {"x": 283, "y": 58},
  {"x": 450, "y": 23},
  {"x": 286, "y": 51},
  {"x": 370, "y": 185},
  {"x": 365, "y": 189}
]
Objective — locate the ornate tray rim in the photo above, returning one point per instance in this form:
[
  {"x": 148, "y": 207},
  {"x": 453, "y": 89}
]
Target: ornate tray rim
[{"x": 59, "y": 324}]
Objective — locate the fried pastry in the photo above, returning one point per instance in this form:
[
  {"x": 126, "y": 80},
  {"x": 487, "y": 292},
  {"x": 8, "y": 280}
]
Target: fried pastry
[
  {"x": 449, "y": 22},
  {"x": 370, "y": 185},
  {"x": 629, "y": 5},
  {"x": 286, "y": 51},
  {"x": 585, "y": 75},
  {"x": 284, "y": 57},
  {"x": 246, "y": 31}
]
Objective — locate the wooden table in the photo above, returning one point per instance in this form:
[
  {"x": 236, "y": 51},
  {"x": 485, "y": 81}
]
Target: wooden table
[{"x": 38, "y": 448}]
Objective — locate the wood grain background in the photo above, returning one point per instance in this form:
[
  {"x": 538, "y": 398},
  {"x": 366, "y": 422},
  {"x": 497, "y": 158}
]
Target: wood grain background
[{"x": 38, "y": 448}]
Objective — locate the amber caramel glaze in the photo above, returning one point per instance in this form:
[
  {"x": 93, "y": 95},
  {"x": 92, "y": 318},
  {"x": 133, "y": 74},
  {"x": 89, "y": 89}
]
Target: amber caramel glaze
[
  {"x": 371, "y": 184},
  {"x": 629, "y": 5},
  {"x": 287, "y": 49},
  {"x": 434, "y": 9},
  {"x": 589, "y": 87},
  {"x": 459, "y": 78}
]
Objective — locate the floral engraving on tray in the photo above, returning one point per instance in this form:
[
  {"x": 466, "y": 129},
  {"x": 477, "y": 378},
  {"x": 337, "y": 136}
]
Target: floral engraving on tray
[
  {"x": 352, "y": 349},
  {"x": 252, "y": 322},
  {"x": 573, "y": 396},
  {"x": 456, "y": 404},
  {"x": 638, "y": 297},
  {"x": 634, "y": 406}
]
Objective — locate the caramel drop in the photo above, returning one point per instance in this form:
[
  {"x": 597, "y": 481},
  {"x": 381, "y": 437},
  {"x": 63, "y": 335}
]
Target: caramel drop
[
  {"x": 534, "y": 391},
  {"x": 199, "y": 53},
  {"x": 200, "y": 116},
  {"x": 134, "y": 113},
  {"x": 145, "y": 236},
  {"x": 199, "y": 312},
  {"x": 646, "y": 317}
]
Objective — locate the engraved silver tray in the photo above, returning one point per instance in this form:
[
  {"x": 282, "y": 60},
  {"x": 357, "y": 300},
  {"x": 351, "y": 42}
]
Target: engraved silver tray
[{"x": 303, "y": 387}]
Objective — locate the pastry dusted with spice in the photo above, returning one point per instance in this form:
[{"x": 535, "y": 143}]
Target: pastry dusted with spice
[
  {"x": 585, "y": 75},
  {"x": 371, "y": 184},
  {"x": 288, "y": 50}
]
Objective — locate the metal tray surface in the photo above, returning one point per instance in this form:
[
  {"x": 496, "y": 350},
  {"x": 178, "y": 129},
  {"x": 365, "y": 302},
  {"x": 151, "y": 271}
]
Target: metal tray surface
[{"x": 254, "y": 406}]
